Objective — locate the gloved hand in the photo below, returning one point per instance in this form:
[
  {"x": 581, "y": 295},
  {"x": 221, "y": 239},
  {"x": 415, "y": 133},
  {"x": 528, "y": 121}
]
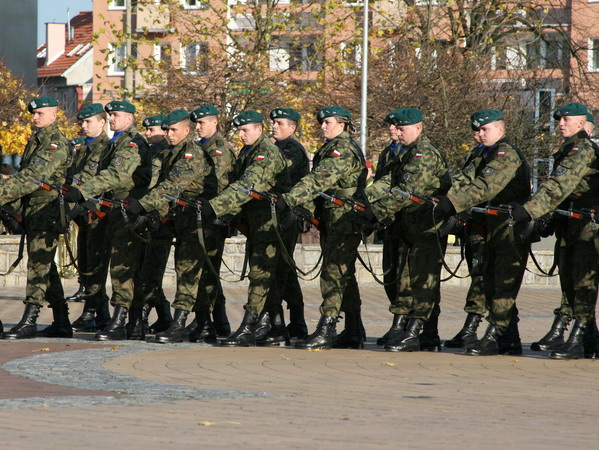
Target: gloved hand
[
  {"x": 366, "y": 214},
  {"x": 208, "y": 214},
  {"x": 71, "y": 194},
  {"x": 444, "y": 206},
  {"x": 519, "y": 213},
  {"x": 302, "y": 213},
  {"x": 281, "y": 204},
  {"x": 133, "y": 207}
]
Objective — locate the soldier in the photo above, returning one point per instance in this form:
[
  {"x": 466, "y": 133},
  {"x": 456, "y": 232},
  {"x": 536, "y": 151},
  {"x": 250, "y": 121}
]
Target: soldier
[
  {"x": 573, "y": 184},
  {"x": 339, "y": 169},
  {"x": 502, "y": 176},
  {"x": 93, "y": 254},
  {"x": 124, "y": 170},
  {"x": 46, "y": 157},
  {"x": 419, "y": 168},
  {"x": 259, "y": 166},
  {"x": 474, "y": 249},
  {"x": 285, "y": 122},
  {"x": 188, "y": 174},
  {"x": 211, "y": 296},
  {"x": 156, "y": 251}
]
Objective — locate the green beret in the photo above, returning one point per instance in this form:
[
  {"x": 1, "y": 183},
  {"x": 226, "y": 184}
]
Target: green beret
[
  {"x": 90, "y": 110},
  {"x": 203, "y": 111},
  {"x": 41, "y": 102},
  {"x": 483, "y": 117},
  {"x": 174, "y": 117},
  {"x": 285, "y": 113},
  {"x": 405, "y": 116},
  {"x": 332, "y": 111},
  {"x": 248, "y": 117},
  {"x": 590, "y": 118},
  {"x": 571, "y": 109},
  {"x": 120, "y": 106},
  {"x": 153, "y": 121}
]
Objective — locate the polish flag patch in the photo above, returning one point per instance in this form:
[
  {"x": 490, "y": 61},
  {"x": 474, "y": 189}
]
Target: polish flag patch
[
  {"x": 336, "y": 153},
  {"x": 133, "y": 144},
  {"x": 260, "y": 157},
  {"x": 54, "y": 146},
  {"x": 500, "y": 153},
  {"x": 218, "y": 153},
  {"x": 188, "y": 156},
  {"x": 418, "y": 155},
  {"x": 574, "y": 150}
]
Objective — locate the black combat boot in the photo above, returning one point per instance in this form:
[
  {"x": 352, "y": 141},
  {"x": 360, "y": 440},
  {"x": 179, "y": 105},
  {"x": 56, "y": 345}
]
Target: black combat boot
[
  {"x": 554, "y": 337},
  {"x": 278, "y": 333},
  {"x": 467, "y": 335},
  {"x": 163, "y": 309},
  {"x": 263, "y": 325},
  {"x": 77, "y": 296},
  {"x": 177, "y": 331},
  {"x": 488, "y": 345},
  {"x": 26, "y": 328},
  {"x": 351, "y": 336},
  {"x": 244, "y": 336},
  {"x": 61, "y": 326},
  {"x": 429, "y": 338},
  {"x": 297, "y": 323},
  {"x": 409, "y": 340},
  {"x": 509, "y": 342},
  {"x": 115, "y": 330},
  {"x": 135, "y": 327},
  {"x": 103, "y": 317},
  {"x": 397, "y": 328},
  {"x": 322, "y": 337},
  {"x": 87, "y": 320},
  {"x": 573, "y": 348},
  {"x": 591, "y": 347},
  {"x": 203, "y": 331},
  {"x": 145, "y": 316},
  {"x": 220, "y": 319}
]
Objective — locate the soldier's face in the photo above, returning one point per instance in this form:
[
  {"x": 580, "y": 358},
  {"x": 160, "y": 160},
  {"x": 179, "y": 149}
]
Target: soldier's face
[
  {"x": 331, "y": 128},
  {"x": 406, "y": 134},
  {"x": 282, "y": 129},
  {"x": 44, "y": 117},
  {"x": 490, "y": 133},
  {"x": 154, "y": 134},
  {"x": 249, "y": 133},
  {"x": 393, "y": 134},
  {"x": 177, "y": 132},
  {"x": 120, "y": 120},
  {"x": 570, "y": 125},
  {"x": 93, "y": 126},
  {"x": 206, "y": 126}
]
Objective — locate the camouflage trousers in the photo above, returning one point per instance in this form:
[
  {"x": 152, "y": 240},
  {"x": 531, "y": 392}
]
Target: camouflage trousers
[
  {"x": 211, "y": 290},
  {"x": 43, "y": 281},
  {"x": 156, "y": 253},
  {"x": 391, "y": 264},
  {"x": 474, "y": 249},
  {"x": 94, "y": 258},
  {"x": 578, "y": 271}
]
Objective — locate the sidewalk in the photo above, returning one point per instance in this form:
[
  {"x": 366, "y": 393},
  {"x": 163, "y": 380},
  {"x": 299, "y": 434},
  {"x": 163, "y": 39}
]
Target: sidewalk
[{"x": 78, "y": 393}]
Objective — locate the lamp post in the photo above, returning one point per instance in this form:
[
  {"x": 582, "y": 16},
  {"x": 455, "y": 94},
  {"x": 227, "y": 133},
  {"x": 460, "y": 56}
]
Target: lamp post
[{"x": 364, "y": 93}]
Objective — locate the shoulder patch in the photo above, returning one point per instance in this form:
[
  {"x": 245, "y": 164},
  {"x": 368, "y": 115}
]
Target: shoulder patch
[
  {"x": 574, "y": 150},
  {"x": 336, "y": 152},
  {"x": 118, "y": 160},
  {"x": 93, "y": 165},
  {"x": 175, "y": 171},
  {"x": 561, "y": 170},
  {"x": 188, "y": 156},
  {"x": 406, "y": 177},
  {"x": 261, "y": 157},
  {"x": 218, "y": 152},
  {"x": 133, "y": 144},
  {"x": 502, "y": 153},
  {"x": 246, "y": 175},
  {"x": 488, "y": 171},
  {"x": 418, "y": 155},
  {"x": 54, "y": 146},
  {"x": 38, "y": 160}
]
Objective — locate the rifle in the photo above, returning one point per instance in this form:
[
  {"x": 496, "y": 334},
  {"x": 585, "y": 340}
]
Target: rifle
[
  {"x": 493, "y": 210},
  {"x": 186, "y": 203},
  {"x": 419, "y": 199},
  {"x": 257, "y": 195},
  {"x": 10, "y": 219},
  {"x": 46, "y": 186},
  {"x": 586, "y": 213},
  {"x": 356, "y": 206}
]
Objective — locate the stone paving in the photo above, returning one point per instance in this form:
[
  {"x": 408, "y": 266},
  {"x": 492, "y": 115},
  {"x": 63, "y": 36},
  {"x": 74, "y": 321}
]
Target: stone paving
[{"x": 73, "y": 393}]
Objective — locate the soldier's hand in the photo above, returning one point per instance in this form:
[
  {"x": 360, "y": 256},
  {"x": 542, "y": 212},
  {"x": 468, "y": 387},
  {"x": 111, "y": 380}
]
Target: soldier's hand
[
  {"x": 367, "y": 214},
  {"x": 519, "y": 213},
  {"x": 208, "y": 213},
  {"x": 71, "y": 194},
  {"x": 444, "y": 206},
  {"x": 133, "y": 207},
  {"x": 281, "y": 204}
]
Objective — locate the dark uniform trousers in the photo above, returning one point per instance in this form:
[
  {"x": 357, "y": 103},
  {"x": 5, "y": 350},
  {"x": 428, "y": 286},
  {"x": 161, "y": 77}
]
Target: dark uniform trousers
[
  {"x": 474, "y": 252},
  {"x": 156, "y": 255},
  {"x": 94, "y": 257},
  {"x": 211, "y": 290}
]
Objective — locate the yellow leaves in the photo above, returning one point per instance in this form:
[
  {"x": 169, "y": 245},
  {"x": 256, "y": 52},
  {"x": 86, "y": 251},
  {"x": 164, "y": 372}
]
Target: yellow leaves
[
  {"x": 14, "y": 137},
  {"x": 386, "y": 363},
  {"x": 314, "y": 349},
  {"x": 44, "y": 349},
  {"x": 114, "y": 348},
  {"x": 206, "y": 423}
]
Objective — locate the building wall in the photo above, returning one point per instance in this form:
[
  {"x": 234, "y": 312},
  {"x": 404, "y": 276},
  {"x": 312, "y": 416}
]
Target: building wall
[{"x": 18, "y": 38}]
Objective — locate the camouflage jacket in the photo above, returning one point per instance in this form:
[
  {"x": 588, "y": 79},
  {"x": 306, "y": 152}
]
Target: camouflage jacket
[
  {"x": 298, "y": 163},
  {"x": 86, "y": 159},
  {"x": 260, "y": 167},
  {"x": 159, "y": 153},
  {"x": 188, "y": 172},
  {"x": 419, "y": 168},
  {"x": 124, "y": 169},
  {"x": 468, "y": 172},
  {"x": 339, "y": 170},
  {"x": 574, "y": 180},
  {"x": 386, "y": 161},
  {"x": 502, "y": 175},
  {"x": 46, "y": 158},
  {"x": 223, "y": 156}
]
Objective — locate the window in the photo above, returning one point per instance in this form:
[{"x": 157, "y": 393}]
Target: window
[
  {"x": 508, "y": 57},
  {"x": 116, "y": 4},
  {"x": 242, "y": 22},
  {"x": 163, "y": 53},
  {"x": 195, "y": 4},
  {"x": 295, "y": 57},
  {"x": 544, "y": 106},
  {"x": 548, "y": 52},
  {"x": 593, "y": 64},
  {"x": 194, "y": 58},
  {"x": 352, "y": 56},
  {"x": 117, "y": 57}
]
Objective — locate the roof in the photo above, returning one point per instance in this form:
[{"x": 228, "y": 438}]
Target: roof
[{"x": 75, "y": 49}]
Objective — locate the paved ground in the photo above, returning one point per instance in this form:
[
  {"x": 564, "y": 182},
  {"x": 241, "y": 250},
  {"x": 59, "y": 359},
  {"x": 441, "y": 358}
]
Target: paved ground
[{"x": 77, "y": 393}]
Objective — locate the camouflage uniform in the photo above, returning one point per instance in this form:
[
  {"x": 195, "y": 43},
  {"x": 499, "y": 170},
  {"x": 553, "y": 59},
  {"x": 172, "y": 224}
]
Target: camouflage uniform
[
  {"x": 261, "y": 167},
  {"x": 502, "y": 176},
  {"x": 46, "y": 157},
  {"x": 422, "y": 169},
  {"x": 338, "y": 169},
  {"x": 124, "y": 170}
]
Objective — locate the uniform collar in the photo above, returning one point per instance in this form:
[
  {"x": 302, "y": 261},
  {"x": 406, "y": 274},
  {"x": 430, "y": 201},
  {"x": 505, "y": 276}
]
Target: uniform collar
[{"x": 204, "y": 141}]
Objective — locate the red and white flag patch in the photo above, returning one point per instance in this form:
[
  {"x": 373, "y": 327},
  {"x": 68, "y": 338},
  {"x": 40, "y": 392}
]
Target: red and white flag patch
[
  {"x": 218, "y": 153},
  {"x": 418, "y": 155},
  {"x": 574, "y": 150},
  {"x": 133, "y": 144},
  {"x": 500, "y": 153},
  {"x": 54, "y": 146},
  {"x": 336, "y": 153},
  {"x": 260, "y": 157},
  {"x": 188, "y": 156}
]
